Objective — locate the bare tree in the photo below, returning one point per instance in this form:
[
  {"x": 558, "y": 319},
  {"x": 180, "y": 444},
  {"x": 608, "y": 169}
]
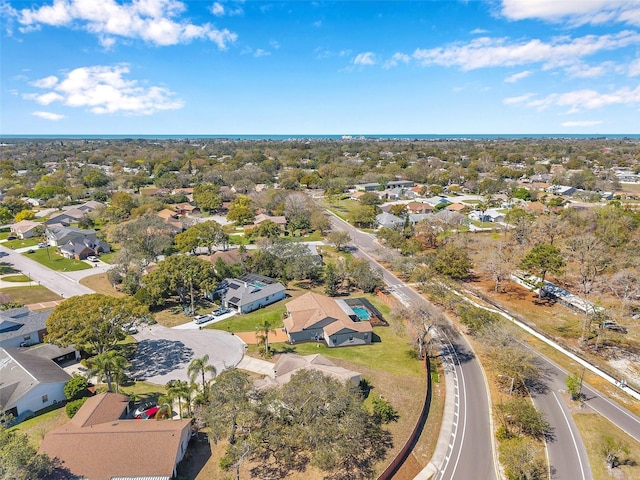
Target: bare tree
[
  {"x": 421, "y": 321},
  {"x": 500, "y": 262}
]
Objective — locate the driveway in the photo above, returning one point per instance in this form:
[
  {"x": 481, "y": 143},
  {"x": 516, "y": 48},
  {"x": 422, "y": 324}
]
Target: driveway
[
  {"x": 164, "y": 354},
  {"x": 195, "y": 326}
]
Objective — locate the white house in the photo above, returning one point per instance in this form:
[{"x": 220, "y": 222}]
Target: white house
[{"x": 29, "y": 382}]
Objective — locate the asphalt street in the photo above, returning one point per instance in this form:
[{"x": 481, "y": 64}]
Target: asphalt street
[
  {"x": 64, "y": 284},
  {"x": 164, "y": 354},
  {"x": 471, "y": 453}
]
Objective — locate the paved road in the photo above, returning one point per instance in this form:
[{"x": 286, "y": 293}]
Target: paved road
[
  {"x": 64, "y": 284},
  {"x": 164, "y": 354},
  {"x": 470, "y": 453}
]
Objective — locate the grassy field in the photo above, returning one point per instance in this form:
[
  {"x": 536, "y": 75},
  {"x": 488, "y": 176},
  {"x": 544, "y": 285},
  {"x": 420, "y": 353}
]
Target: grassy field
[
  {"x": 16, "y": 278},
  {"x": 594, "y": 428},
  {"x": 36, "y": 428},
  {"x": 56, "y": 262},
  {"x": 32, "y": 294},
  {"x": 100, "y": 284},
  {"x": 28, "y": 242}
]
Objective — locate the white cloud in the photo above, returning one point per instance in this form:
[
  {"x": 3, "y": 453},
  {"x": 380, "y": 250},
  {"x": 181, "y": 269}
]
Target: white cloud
[
  {"x": 48, "y": 115},
  {"x": 478, "y": 31},
  {"x": 517, "y": 76},
  {"x": 261, "y": 53},
  {"x": 365, "y": 58},
  {"x": 317, "y": 23},
  {"x": 574, "y": 12},
  {"x": 579, "y": 100},
  {"x": 582, "y": 123},
  {"x": 46, "y": 82},
  {"x": 154, "y": 21},
  {"x": 499, "y": 52},
  {"x": 274, "y": 44},
  {"x": 103, "y": 89},
  {"x": 396, "y": 59},
  {"x": 634, "y": 68},
  {"x": 217, "y": 9}
]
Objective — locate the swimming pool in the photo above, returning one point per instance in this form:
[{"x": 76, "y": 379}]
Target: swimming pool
[{"x": 362, "y": 313}]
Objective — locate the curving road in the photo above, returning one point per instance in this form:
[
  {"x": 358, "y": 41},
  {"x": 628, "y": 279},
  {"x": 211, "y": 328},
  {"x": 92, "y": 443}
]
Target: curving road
[{"x": 470, "y": 452}]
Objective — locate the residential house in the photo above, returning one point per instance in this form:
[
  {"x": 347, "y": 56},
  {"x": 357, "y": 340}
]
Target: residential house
[
  {"x": 229, "y": 257},
  {"x": 561, "y": 190},
  {"x": 315, "y": 317},
  {"x": 279, "y": 220},
  {"x": 419, "y": 207},
  {"x": 101, "y": 443},
  {"x": 291, "y": 363},
  {"x": 26, "y": 229},
  {"x": 21, "y": 327},
  {"x": 389, "y": 220},
  {"x": 368, "y": 187},
  {"x": 186, "y": 209},
  {"x": 75, "y": 243},
  {"x": 172, "y": 219},
  {"x": 458, "y": 207},
  {"x": 415, "y": 218},
  {"x": 400, "y": 184},
  {"x": 437, "y": 201},
  {"x": 29, "y": 382},
  {"x": 250, "y": 292}
]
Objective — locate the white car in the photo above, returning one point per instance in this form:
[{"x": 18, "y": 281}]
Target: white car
[
  {"x": 201, "y": 319},
  {"x": 92, "y": 258}
]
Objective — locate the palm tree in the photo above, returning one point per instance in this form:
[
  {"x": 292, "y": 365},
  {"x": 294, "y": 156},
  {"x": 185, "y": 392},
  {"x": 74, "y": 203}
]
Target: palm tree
[
  {"x": 199, "y": 367},
  {"x": 109, "y": 365},
  {"x": 180, "y": 390},
  {"x": 262, "y": 334}
]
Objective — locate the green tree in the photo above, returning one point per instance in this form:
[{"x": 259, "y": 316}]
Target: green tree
[
  {"x": 143, "y": 238},
  {"x": 339, "y": 239},
  {"x": 241, "y": 211},
  {"x": 363, "y": 216},
  {"x": 384, "y": 411},
  {"x": 180, "y": 390},
  {"x": 76, "y": 388},
  {"x": 320, "y": 221},
  {"x": 453, "y": 261},
  {"x": 182, "y": 275},
  {"x": 573, "y": 382},
  {"x": 266, "y": 229},
  {"x": 370, "y": 198},
  {"x": 109, "y": 365},
  {"x": 94, "y": 323},
  {"x": 331, "y": 280},
  {"x": 207, "y": 235},
  {"x": 95, "y": 178},
  {"x": 199, "y": 367},
  {"x": 25, "y": 215},
  {"x": 263, "y": 329},
  {"x": 207, "y": 197},
  {"x": 19, "y": 460},
  {"x": 541, "y": 260},
  {"x": 5, "y": 214},
  {"x": 519, "y": 417},
  {"x": 522, "y": 459},
  {"x": 364, "y": 276}
]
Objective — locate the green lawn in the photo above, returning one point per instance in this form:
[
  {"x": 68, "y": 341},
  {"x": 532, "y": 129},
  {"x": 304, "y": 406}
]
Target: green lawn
[
  {"x": 16, "y": 278},
  {"x": 249, "y": 322},
  {"x": 108, "y": 257},
  {"x": 56, "y": 262},
  {"x": 29, "y": 242},
  {"x": 29, "y": 295}
]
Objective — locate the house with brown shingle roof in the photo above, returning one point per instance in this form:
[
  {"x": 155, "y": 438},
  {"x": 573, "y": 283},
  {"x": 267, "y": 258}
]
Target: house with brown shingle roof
[
  {"x": 314, "y": 317},
  {"x": 100, "y": 443},
  {"x": 26, "y": 228},
  {"x": 419, "y": 207}
]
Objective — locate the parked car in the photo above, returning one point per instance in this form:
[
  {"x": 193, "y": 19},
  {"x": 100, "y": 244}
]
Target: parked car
[
  {"x": 143, "y": 407},
  {"x": 42, "y": 245},
  {"x": 198, "y": 319},
  {"x": 12, "y": 237},
  {"x": 92, "y": 258},
  {"x": 147, "y": 414},
  {"x": 4, "y": 254},
  {"x": 220, "y": 311}
]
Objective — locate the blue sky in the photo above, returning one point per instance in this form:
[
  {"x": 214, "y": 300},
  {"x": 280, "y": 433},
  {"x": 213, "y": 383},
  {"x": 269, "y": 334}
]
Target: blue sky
[{"x": 302, "y": 67}]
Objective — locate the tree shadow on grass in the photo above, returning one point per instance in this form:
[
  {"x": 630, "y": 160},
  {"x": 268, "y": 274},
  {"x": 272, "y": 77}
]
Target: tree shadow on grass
[{"x": 159, "y": 357}]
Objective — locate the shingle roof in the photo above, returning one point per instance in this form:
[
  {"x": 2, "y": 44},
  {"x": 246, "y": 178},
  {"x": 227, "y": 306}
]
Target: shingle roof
[
  {"x": 242, "y": 293},
  {"x": 287, "y": 365},
  {"x": 98, "y": 445},
  {"x": 21, "y": 372},
  {"x": 17, "y": 322},
  {"x": 310, "y": 309}
]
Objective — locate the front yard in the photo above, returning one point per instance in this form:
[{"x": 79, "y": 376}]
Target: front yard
[{"x": 50, "y": 259}]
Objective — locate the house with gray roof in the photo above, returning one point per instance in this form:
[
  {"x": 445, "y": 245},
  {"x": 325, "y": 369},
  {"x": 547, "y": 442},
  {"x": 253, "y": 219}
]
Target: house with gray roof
[
  {"x": 250, "y": 292},
  {"x": 20, "y": 327},
  {"x": 389, "y": 220},
  {"x": 71, "y": 241},
  {"x": 29, "y": 382}
]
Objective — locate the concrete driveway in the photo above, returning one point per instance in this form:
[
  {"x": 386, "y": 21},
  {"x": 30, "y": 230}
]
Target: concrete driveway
[{"x": 164, "y": 354}]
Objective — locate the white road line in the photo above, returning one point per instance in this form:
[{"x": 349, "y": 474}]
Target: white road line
[{"x": 575, "y": 444}]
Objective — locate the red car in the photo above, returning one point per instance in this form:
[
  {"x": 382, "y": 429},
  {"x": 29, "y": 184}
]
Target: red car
[{"x": 147, "y": 414}]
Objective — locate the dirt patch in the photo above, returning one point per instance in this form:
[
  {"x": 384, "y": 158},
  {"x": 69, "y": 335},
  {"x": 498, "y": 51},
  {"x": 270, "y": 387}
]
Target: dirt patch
[{"x": 250, "y": 338}]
